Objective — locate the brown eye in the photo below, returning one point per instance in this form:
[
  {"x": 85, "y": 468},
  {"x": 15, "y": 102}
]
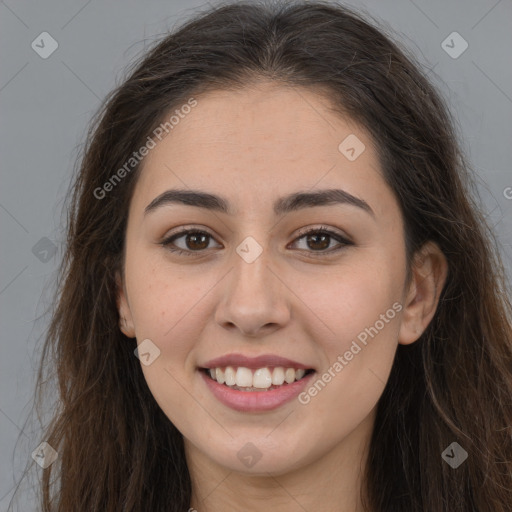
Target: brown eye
[
  {"x": 319, "y": 240},
  {"x": 194, "y": 241},
  {"x": 197, "y": 241}
]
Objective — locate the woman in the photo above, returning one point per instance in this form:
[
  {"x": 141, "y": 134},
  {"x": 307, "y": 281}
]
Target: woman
[{"x": 278, "y": 293}]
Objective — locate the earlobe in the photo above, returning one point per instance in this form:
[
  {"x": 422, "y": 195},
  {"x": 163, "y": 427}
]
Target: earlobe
[
  {"x": 125, "y": 317},
  {"x": 429, "y": 273}
]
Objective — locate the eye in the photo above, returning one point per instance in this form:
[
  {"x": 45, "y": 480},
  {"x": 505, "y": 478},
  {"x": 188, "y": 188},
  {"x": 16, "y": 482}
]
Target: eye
[
  {"x": 196, "y": 241},
  {"x": 319, "y": 239}
]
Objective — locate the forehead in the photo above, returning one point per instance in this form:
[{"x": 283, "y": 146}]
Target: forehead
[{"x": 261, "y": 142}]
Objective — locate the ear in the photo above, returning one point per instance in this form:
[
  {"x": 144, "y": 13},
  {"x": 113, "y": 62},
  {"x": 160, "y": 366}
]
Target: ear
[
  {"x": 429, "y": 272},
  {"x": 125, "y": 315}
]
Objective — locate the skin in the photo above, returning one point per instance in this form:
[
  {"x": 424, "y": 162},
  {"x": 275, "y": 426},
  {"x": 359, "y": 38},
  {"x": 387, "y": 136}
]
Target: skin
[{"x": 252, "y": 146}]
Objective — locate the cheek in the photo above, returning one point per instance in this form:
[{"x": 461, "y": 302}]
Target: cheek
[
  {"x": 348, "y": 300},
  {"x": 362, "y": 311},
  {"x": 163, "y": 300},
  {"x": 168, "y": 312}
]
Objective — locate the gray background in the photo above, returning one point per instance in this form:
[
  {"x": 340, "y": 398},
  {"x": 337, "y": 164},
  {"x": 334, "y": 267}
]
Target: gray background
[{"x": 46, "y": 105}]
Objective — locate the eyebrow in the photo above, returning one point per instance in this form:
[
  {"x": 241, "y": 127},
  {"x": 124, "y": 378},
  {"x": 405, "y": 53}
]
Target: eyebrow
[{"x": 282, "y": 205}]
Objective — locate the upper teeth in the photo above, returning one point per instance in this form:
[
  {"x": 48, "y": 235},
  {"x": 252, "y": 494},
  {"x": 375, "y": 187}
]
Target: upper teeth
[{"x": 261, "y": 378}]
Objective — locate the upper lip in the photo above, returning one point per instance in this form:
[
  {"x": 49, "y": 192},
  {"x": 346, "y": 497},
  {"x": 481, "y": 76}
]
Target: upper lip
[{"x": 265, "y": 360}]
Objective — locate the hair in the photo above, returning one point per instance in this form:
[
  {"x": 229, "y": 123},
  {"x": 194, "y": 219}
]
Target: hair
[{"x": 117, "y": 449}]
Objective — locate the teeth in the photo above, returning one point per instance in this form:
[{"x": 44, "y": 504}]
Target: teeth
[
  {"x": 289, "y": 375},
  {"x": 219, "y": 375},
  {"x": 299, "y": 374},
  {"x": 278, "y": 376},
  {"x": 262, "y": 378},
  {"x": 229, "y": 375},
  {"x": 243, "y": 377}
]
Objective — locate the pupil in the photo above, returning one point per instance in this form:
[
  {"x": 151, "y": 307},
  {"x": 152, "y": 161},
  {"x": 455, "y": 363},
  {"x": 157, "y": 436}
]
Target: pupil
[
  {"x": 194, "y": 237},
  {"x": 324, "y": 237}
]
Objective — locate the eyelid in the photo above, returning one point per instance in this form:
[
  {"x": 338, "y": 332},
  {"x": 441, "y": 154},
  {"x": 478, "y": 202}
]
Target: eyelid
[
  {"x": 186, "y": 229},
  {"x": 325, "y": 229}
]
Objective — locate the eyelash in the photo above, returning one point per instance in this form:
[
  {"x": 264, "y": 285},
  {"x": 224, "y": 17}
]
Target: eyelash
[{"x": 321, "y": 231}]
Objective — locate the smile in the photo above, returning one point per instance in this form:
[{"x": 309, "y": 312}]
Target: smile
[{"x": 255, "y": 385}]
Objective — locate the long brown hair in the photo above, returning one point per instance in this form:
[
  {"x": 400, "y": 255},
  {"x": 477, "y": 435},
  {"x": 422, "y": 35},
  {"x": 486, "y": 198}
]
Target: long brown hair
[{"x": 117, "y": 449}]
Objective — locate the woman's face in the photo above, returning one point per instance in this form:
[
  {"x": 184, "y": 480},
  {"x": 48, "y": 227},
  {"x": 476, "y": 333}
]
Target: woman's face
[{"x": 251, "y": 291}]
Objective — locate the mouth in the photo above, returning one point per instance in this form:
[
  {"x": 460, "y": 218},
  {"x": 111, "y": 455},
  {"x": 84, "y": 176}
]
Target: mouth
[
  {"x": 255, "y": 385},
  {"x": 240, "y": 378}
]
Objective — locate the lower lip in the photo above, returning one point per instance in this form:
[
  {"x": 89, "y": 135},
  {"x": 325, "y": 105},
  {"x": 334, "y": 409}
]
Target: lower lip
[{"x": 256, "y": 401}]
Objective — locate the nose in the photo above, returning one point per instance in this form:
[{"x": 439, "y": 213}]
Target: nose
[{"x": 255, "y": 300}]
